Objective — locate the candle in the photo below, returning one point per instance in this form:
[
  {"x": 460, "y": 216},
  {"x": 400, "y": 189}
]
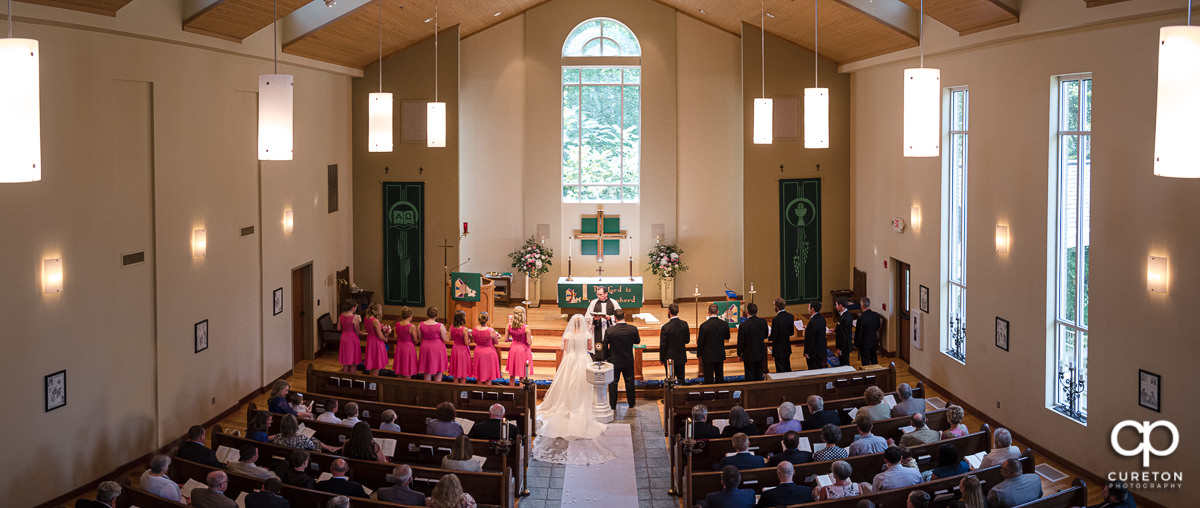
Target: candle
[
  {"x": 690, "y": 429},
  {"x": 503, "y": 429},
  {"x": 527, "y": 368},
  {"x": 751, "y": 287},
  {"x": 464, "y": 228},
  {"x": 670, "y": 368}
]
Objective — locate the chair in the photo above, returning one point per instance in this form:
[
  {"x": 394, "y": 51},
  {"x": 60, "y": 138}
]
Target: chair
[{"x": 330, "y": 337}]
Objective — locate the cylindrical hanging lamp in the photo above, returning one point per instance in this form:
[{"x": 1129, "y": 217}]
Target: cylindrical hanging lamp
[
  {"x": 435, "y": 112},
  {"x": 1176, "y": 153},
  {"x": 20, "y": 109},
  {"x": 816, "y": 101},
  {"x": 922, "y": 105},
  {"x": 275, "y": 110},
  {"x": 379, "y": 110},
  {"x": 764, "y": 107}
]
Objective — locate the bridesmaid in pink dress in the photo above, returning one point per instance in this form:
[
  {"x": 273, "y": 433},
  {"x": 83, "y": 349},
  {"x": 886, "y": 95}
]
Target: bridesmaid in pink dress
[
  {"x": 434, "y": 339},
  {"x": 460, "y": 354},
  {"x": 350, "y": 348},
  {"x": 376, "y": 344},
  {"x": 406, "y": 341},
  {"x": 519, "y": 353},
  {"x": 487, "y": 360}
]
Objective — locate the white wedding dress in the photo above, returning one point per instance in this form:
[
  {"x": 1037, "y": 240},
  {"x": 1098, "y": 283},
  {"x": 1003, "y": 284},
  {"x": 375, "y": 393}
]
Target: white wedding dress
[{"x": 566, "y": 429}]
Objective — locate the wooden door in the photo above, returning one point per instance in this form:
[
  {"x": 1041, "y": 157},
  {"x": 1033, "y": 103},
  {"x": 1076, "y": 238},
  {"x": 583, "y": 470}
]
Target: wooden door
[
  {"x": 903, "y": 308},
  {"x": 302, "y": 343}
]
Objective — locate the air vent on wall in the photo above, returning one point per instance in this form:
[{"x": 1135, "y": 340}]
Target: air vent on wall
[
  {"x": 133, "y": 258},
  {"x": 248, "y": 230}
]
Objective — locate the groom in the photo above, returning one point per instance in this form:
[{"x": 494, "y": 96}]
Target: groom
[{"x": 618, "y": 342}]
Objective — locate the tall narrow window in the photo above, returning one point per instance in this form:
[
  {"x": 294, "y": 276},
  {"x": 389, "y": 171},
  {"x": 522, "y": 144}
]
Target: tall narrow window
[
  {"x": 955, "y": 343},
  {"x": 1073, "y": 225},
  {"x": 601, "y": 113}
]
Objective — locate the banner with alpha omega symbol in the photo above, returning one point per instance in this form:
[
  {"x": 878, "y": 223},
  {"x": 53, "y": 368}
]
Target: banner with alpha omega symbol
[
  {"x": 404, "y": 243},
  {"x": 800, "y": 239}
]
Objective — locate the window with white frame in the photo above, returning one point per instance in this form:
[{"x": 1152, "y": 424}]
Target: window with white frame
[
  {"x": 1072, "y": 214},
  {"x": 955, "y": 311},
  {"x": 601, "y": 113}
]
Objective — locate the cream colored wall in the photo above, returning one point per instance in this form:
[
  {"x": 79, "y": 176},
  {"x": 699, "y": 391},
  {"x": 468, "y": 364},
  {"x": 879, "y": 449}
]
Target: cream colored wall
[
  {"x": 1134, "y": 215},
  {"x": 144, "y": 139}
]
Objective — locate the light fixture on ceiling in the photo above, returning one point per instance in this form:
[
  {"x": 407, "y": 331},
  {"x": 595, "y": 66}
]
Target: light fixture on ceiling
[
  {"x": 763, "y": 106},
  {"x": 702, "y": 11},
  {"x": 275, "y": 107},
  {"x": 816, "y": 101},
  {"x": 497, "y": 14},
  {"x": 21, "y": 131},
  {"x": 379, "y": 115},
  {"x": 435, "y": 112},
  {"x": 330, "y": 3},
  {"x": 921, "y": 105},
  {"x": 1176, "y": 153}
]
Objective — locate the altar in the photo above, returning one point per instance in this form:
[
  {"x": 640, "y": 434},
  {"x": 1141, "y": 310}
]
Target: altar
[{"x": 574, "y": 294}]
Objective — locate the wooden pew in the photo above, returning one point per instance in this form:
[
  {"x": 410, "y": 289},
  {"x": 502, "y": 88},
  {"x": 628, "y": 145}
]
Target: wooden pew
[
  {"x": 409, "y": 417},
  {"x": 487, "y": 488},
  {"x": 133, "y": 496},
  {"x": 1076, "y": 495}
]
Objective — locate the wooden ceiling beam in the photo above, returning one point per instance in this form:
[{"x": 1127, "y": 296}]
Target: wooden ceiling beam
[
  {"x": 893, "y": 14},
  {"x": 315, "y": 16},
  {"x": 101, "y": 7}
]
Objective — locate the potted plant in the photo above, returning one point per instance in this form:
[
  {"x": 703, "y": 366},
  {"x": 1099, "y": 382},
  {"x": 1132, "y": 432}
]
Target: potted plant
[
  {"x": 665, "y": 262},
  {"x": 532, "y": 259}
]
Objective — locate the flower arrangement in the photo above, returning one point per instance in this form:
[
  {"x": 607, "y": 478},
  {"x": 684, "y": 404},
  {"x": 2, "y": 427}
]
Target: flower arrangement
[
  {"x": 665, "y": 260},
  {"x": 532, "y": 259}
]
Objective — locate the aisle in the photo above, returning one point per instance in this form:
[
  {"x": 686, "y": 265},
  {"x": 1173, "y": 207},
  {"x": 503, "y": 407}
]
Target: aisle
[{"x": 608, "y": 484}]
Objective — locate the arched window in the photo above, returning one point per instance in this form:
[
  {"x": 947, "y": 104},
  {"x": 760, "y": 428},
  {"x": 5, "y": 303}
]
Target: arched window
[{"x": 601, "y": 113}]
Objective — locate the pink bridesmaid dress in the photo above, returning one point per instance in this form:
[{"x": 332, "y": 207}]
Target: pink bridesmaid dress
[
  {"x": 460, "y": 355},
  {"x": 519, "y": 353},
  {"x": 350, "y": 348},
  {"x": 433, "y": 350},
  {"x": 376, "y": 347},
  {"x": 487, "y": 360},
  {"x": 406, "y": 352}
]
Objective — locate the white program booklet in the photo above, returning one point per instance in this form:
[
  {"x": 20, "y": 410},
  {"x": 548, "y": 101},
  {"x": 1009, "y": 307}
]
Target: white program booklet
[
  {"x": 890, "y": 399},
  {"x": 907, "y": 428},
  {"x": 388, "y": 445},
  {"x": 191, "y": 485},
  {"x": 805, "y": 446},
  {"x": 241, "y": 499},
  {"x": 720, "y": 424},
  {"x": 853, "y": 412},
  {"x": 816, "y": 447},
  {"x": 824, "y": 480},
  {"x": 306, "y": 432},
  {"x": 226, "y": 454},
  {"x": 975, "y": 460},
  {"x": 799, "y": 324},
  {"x": 466, "y": 425}
]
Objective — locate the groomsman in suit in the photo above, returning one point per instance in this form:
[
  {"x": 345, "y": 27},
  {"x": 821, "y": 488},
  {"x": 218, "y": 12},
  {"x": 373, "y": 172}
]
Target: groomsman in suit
[
  {"x": 618, "y": 342},
  {"x": 782, "y": 328},
  {"x": 814, "y": 337},
  {"x": 710, "y": 344},
  {"x": 751, "y": 343},
  {"x": 674, "y": 338},
  {"x": 866, "y": 334},
  {"x": 844, "y": 331},
  {"x": 601, "y": 312}
]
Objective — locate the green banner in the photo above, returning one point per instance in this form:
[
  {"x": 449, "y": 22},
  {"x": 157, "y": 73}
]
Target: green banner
[
  {"x": 730, "y": 311},
  {"x": 573, "y": 295},
  {"x": 404, "y": 243},
  {"x": 466, "y": 286},
  {"x": 800, "y": 239}
]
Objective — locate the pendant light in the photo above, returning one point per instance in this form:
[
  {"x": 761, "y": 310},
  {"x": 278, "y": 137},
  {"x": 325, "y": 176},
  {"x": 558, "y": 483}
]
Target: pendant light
[
  {"x": 275, "y": 107},
  {"x": 379, "y": 123},
  {"x": 922, "y": 113},
  {"x": 20, "y": 110},
  {"x": 816, "y": 100},
  {"x": 1176, "y": 153},
  {"x": 763, "y": 106},
  {"x": 435, "y": 112}
]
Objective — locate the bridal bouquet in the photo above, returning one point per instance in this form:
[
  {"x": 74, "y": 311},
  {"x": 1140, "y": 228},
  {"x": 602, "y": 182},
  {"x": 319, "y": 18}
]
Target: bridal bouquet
[
  {"x": 532, "y": 259},
  {"x": 665, "y": 260}
]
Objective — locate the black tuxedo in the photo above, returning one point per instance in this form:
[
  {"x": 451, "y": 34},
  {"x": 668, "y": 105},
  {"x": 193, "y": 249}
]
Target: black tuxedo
[
  {"x": 298, "y": 479},
  {"x": 845, "y": 336},
  {"x": 794, "y": 455},
  {"x": 490, "y": 429},
  {"x": 786, "y": 494},
  {"x": 752, "y": 346},
  {"x": 818, "y": 420},
  {"x": 866, "y": 336},
  {"x": 710, "y": 344},
  {"x": 264, "y": 499},
  {"x": 782, "y": 328},
  {"x": 815, "y": 344},
  {"x": 343, "y": 487},
  {"x": 674, "y": 338},
  {"x": 618, "y": 343},
  {"x": 196, "y": 452}
]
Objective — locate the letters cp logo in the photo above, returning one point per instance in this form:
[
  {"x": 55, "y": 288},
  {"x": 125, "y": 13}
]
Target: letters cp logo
[{"x": 1144, "y": 448}]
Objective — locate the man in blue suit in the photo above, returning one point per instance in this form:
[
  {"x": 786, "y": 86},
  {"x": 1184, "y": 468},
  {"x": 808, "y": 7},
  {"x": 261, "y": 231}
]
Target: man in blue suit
[
  {"x": 743, "y": 459},
  {"x": 787, "y": 493},
  {"x": 731, "y": 496}
]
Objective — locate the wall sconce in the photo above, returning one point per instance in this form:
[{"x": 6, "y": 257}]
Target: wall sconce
[
  {"x": 52, "y": 275},
  {"x": 288, "y": 220},
  {"x": 1158, "y": 275},
  {"x": 915, "y": 218},
  {"x": 199, "y": 243},
  {"x": 1002, "y": 238}
]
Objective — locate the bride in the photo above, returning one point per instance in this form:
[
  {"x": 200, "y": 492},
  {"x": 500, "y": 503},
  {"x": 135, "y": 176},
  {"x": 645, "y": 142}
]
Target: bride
[{"x": 566, "y": 428}]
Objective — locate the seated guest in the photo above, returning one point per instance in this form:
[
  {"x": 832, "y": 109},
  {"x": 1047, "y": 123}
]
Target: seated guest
[
  {"x": 1003, "y": 451},
  {"x": 277, "y": 402},
  {"x": 462, "y": 456},
  {"x": 351, "y": 414},
  {"x": 876, "y": 409},
  {"x": 921, "y": 435},
  {"x": 918, "y": 499},
  {"x": 743, "y": 459},
  {"x": 389, "y": 421},
  {"x": 1017, "y": 488},
  {"x": 787, "y": 493},
  {"x": 701, "y": 429},
  {"x": 1115, "y": 495},
  {"x": 268, "y": 497},
  {"x": 193, "y": 449},
  {"x": 731, "y": 496},
  {"x": 739, "y": 421},
  {"x": 361, "y": 444},
  {"x": 340, "y": 483},
  {"x": 247, "y": 456},
  {"x": 842, "y": 486},
  {"x": 399, "y": 492},
  {"x": 297, "y": 473},
  {"x": 213, "y": 496},
  {"x": 791, "y": 451},
  {"x": 257, "y": 428},
  {"x": 443, "y": 424},
  {"x": 907, "y": 405},
  {"x": 954, "y": 415},
  {"x": 830, "y": 435},
  {"x": 330, "y": 414},
  {"x": 296, "y": 400},
  {"x": 448, "y": 493},
  {"x": 908, "y": 458},
  {"x": 787, "y": 413},
  {"x": 106, "y": 496},
  {"x": 972, "y": 492},
  {"x": 948, "y": 463},
  {"x": 866, "y": 442},
  {"x": 896, "y": 476},
  {"x": 818, "y": 416},
  {"x": 289, "y": 435},
  {"x": 338, "y": 502},
  {"x": 490, "y": 429},
  {"x": 155, "y": 481}
]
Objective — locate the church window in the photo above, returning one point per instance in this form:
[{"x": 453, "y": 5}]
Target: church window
[{"x": 954, "y": 340}]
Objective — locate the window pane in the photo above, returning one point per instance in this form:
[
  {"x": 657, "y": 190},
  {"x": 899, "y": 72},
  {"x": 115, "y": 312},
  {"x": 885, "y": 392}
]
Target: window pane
[
  {"x": 601, "y": 134},
  {"x": 629, "y": 193},
  {"x": 593, "y": 47},
  {"x": 632, "y": 138},
  {"x": 1087, "y": 105},
  {"x": 570, "y": 75},
  {"x": 599, "y": 75},
  {"x": 570, "y": 134},
  {"x": 633, "y": 75},
  {"x": 1068, "y": 226},
  {"x": 957, "y": 100},
  {"x": 581, "y": 35},
  {"x": 589, "y": 194},
  {"x": 570, "y": 194},
  {"x": 1083, "y": 362},
  {"x": 1085, "y": 209},
  {"x": 624, "y": 38},
  {"x": 1070, "y": 105}
]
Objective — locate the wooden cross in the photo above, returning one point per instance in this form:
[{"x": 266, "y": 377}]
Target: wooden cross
[
  {"x": 599, "y": 236},
  {"x": 445, "y": 246},
  {"x": 600, "y": 271}
]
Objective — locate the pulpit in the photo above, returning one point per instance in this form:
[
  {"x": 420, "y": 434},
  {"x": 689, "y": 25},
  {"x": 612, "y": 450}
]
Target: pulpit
[{"x": 486, "y": 303}]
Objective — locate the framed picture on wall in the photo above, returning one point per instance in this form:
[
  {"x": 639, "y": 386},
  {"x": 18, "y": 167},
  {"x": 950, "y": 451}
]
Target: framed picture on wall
[
  {"x": 56, "y": 390},
  {"x": 924, "y": 299},
  {"x": 201, "y": 334},
  {"x": 1002, "y": 333},
  {"x": 1149, "y": 390},
  {"x": 277, "y": 302}
]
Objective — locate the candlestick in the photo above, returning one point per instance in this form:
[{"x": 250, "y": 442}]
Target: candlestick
[
  {"x": 630, "y": 268},
  {"x": 464, "y": 228},
  {"x": 527, "y": 369},
  {"x": 670, "y": 369},
  {"x": 691, "y": 429},
  {"x": 503, "y": 429},
  {"x": 697, "y": 293},
  {"x": 568, "y": 267}
]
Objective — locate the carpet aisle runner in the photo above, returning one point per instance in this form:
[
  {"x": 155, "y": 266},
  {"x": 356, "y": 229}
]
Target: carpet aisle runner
[{"x": 605, "y": 485}]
